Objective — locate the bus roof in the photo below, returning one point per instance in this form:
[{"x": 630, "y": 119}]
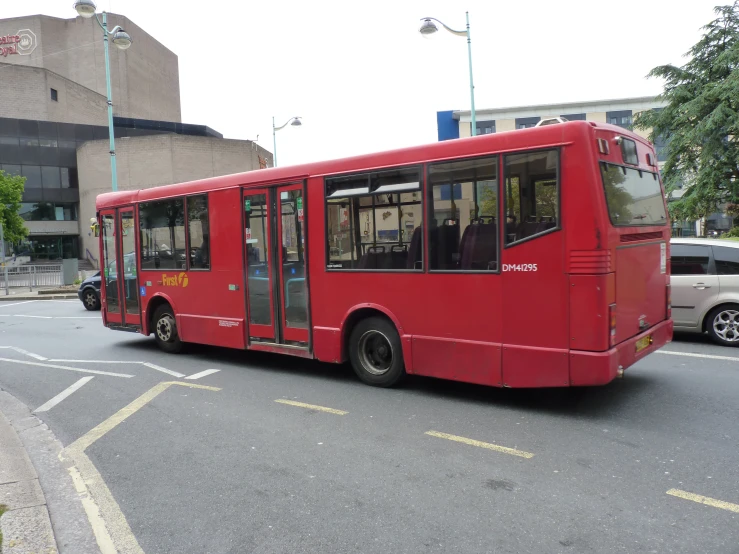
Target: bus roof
[{"x": 537, "y": 137}]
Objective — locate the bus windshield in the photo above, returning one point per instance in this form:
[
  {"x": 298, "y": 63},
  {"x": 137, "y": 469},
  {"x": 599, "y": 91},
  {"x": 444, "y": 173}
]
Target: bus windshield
[{"x": 634, "y": 197}]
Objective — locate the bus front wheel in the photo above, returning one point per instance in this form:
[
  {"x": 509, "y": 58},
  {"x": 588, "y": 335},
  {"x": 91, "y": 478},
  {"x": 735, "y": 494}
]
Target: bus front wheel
[
  {"x": 165, "y": 330},
  {"x": 376, "y": 352}
]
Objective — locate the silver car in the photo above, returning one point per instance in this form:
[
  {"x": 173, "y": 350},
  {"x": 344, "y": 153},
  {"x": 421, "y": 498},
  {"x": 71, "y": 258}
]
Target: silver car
[{"x": 705, "y": 287}]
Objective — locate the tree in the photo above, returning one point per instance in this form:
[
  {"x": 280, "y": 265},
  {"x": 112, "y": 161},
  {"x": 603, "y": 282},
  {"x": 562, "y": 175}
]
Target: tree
[
  {"x": 700, "y": 123},
  {"x": 11, "y": 194}
]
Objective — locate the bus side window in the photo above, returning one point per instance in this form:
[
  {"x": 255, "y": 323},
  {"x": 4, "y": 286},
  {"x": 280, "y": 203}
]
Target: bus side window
[
  {"x": 199, "y": 231},
  {"x": 162, "y": 234},
  {"x": 531, "y": 194},
  {"x": 463, "y": 230}
]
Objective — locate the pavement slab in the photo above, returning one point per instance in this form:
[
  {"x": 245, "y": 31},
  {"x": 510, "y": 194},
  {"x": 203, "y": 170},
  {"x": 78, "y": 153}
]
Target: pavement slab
[{"x": 28, "y": 531}]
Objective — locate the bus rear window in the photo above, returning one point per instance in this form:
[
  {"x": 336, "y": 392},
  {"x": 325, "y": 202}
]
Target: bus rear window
[{"x": 633, "y": 197}]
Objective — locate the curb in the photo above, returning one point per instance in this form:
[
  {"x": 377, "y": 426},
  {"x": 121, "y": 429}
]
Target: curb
[
  {"x": 45, "y": 512},
  {"x": 40, "y": 297}
]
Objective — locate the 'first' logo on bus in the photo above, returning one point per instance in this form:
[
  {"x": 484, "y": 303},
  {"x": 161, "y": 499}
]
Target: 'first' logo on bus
[{"x": 179, "y": 280}]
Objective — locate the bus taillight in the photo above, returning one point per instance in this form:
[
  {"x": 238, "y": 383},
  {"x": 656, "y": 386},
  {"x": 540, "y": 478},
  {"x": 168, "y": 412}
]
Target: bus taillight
[
  {"x": 612, "y": 324},
  {"x": 668, "y": 292}
]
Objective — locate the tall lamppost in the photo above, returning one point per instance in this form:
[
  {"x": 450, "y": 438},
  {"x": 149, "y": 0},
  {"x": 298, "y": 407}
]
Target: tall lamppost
[
  {"x": 122, "y": 40},
  {"x": 428, "y": 28},
  {"x": 295, "y": 121}
]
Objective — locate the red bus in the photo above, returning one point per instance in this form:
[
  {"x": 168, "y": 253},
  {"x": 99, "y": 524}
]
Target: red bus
[{"x": 530, "y": 258}]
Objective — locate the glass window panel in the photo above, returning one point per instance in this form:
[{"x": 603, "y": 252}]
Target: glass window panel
[
  {"x": 633, "y": 197},
  {"x": 293, "y": 258},
  {"x": 197, "y": 216},
  {"x": 9, "y": 127},
  {"x": 688, "y": 259},
  {"x": 110, "y": 272},
  {"x": 28, "y": 128},
  {"x": 727, "y": 260},
  {"x": 258, "y": 259},
  {"x": 371, "y": 224},
  {"x": 463, "y": 226},
  {"x": 32, "y": 173},
  {"x": 50, "y": 177},
  {"x": 11, "y": 169},
  {"x": 128, "y": 254},
  {"x": 83, "y": 133},
  {"x": 162, "y": 225},
  {"x": 9, "y": 141},
  {"x": 47, "y": 130},
  {"x": 531, "y": 194}
]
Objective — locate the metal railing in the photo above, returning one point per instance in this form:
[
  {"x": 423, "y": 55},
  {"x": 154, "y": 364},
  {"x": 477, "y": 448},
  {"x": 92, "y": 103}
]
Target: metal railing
[{"x": 31, "y": 276}]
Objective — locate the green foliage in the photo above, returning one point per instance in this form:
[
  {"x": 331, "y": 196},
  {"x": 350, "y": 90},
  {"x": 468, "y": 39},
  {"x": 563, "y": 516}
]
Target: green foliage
[
  {"x": 731, "y": 233},
  {"x": 11, "y": 194},
  {"x": 701, "y": 120}
]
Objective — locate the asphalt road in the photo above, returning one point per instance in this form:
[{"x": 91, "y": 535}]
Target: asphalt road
[{"x": 236, "y": 471}]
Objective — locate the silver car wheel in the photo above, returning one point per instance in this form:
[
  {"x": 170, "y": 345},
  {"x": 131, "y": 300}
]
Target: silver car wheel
[
  {"x": 726, "y": 325},
  {"x": 91, "y": 299}
]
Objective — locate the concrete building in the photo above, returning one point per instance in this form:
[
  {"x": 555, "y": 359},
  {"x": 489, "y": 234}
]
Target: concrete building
[
  {"x": 54, "y": 127},
  {"x": 458, "y": 123}
]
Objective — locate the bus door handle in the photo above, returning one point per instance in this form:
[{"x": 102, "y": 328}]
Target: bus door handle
[{"x": 701, "y": 286}]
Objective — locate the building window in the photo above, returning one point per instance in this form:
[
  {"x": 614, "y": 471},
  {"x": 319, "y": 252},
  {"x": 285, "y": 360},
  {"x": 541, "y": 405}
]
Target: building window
[
  {"x": 485, "y": 127},
  {"x": 162, "y": 226},
  {"x": 531, "y": 194},
  {"x": 50, "y": 177},
  {"x": 622, "y": 118},
  {"x": 54, "y": 95},
  {"x": 527, "y": 122},
  {"x": 463, "y": 228},
  {"x": 574, "y": 116},
  {"x": 32, "y": 173},
  {"x": 48, "y": 211},
  {"x": 199, "y": 231},
  {"x": 374, "y": 220}
]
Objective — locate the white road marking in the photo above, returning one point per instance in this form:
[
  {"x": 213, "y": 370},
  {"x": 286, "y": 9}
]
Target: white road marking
[
  {"x": 692, "y": 355},
  {"x": 164, "y": 370},
  {"x": 64, "y": 394},
  {"x": 34, "y": 316},
  {"x": 26, "y": 352},
  {"x": 53, "y": 366},
  {"x": 4, "y": 305},
  {"x": 203, "y": 373},
  {"x": 147, "y": 364}
]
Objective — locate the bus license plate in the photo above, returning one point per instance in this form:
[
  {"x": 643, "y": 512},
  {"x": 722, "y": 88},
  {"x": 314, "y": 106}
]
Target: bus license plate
[{"x": 643, "y": 343}]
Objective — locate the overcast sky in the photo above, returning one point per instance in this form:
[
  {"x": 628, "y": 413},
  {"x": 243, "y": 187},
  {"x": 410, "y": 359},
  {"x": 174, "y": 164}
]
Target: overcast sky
[{"x": 362, "y": 77}]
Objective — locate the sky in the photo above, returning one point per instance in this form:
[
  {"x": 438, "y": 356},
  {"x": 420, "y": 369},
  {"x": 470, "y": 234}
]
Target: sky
[{"x": 363, "y": 79}]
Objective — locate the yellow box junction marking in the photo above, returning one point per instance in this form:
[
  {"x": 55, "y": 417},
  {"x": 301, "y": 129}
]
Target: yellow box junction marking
[
  {"x": 473, "y": 442},
  {"x": 112, "y": 532},
  {"x": 311, "y": 407},
  {"x": 704, "y": 500}
]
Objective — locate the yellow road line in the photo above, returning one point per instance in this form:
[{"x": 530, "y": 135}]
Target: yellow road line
[
  {"x": 311, "y": 407},
  {"x": 112, "y": 532},
  {"x": 473, "y": 442},
  {"x": 704, "y": 500}
]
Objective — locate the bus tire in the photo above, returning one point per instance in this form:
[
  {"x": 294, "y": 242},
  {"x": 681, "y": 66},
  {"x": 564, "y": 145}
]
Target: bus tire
[
  {"x": 376, "y": 352},
  {"x": 165, "y": 330},
  {"x": 722, "y": 324}
]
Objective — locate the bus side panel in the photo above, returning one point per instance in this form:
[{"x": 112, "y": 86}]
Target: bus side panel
[
  {"x": 211, "y": 302},
  {"x": 459, "y": 360},
  {"x": 590, "y": 296},
  {"x": 535, "y": 310}
]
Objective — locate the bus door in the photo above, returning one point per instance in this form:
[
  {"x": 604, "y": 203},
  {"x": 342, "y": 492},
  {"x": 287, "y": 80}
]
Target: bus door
[
  {"x": 277, "y": 291},
  {"x": 120, "y": 291}
]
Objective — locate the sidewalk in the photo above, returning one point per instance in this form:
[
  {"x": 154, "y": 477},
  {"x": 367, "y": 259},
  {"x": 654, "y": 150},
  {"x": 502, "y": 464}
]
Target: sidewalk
[{"x": 36, "y": 489}]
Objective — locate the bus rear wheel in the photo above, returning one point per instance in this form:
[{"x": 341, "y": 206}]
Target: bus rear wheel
[
  {"x": 165, "y": 330},
  {"x": 376, "y": 352}
]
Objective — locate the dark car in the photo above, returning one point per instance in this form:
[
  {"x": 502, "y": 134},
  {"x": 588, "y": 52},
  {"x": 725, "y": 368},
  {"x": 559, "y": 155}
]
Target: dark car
[{"x": 89, "y": 292}]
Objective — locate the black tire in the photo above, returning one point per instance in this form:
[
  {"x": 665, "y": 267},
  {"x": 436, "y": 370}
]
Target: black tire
[
  {"x": 164, "y": 326},
  {"x": 91, "y": 299},
  {"x": 376, "y": 352},
  {"x": 722, "y": 325}
]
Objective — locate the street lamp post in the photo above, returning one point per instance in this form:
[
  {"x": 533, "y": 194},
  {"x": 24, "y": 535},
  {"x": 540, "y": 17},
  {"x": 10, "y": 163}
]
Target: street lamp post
[
  {"x": 295, "y": 122},
  {"x": 428, "y": 28},
  {"x": 122, "y": 40}
]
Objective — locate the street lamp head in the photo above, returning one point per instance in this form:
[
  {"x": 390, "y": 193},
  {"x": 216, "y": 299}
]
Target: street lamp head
[
  {"x": 296, "y": 122},
  {"x": 85, "y": 8},
  {"x": 428, "y": 28},
  {"x": 122, "y": 39}
]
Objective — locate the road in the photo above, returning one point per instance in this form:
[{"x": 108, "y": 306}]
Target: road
[{"x": 244, "y": 466}]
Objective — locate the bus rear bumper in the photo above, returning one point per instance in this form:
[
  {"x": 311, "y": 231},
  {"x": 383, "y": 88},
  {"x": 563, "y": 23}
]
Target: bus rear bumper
[{"x": 600, "y": 368}]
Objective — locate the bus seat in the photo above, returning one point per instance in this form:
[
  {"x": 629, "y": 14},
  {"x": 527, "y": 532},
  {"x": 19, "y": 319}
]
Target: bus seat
[
  {"x": 447, "y": 245},
  {"x": 415, "y": 252},
  {"x": 478, "y": 247}
]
